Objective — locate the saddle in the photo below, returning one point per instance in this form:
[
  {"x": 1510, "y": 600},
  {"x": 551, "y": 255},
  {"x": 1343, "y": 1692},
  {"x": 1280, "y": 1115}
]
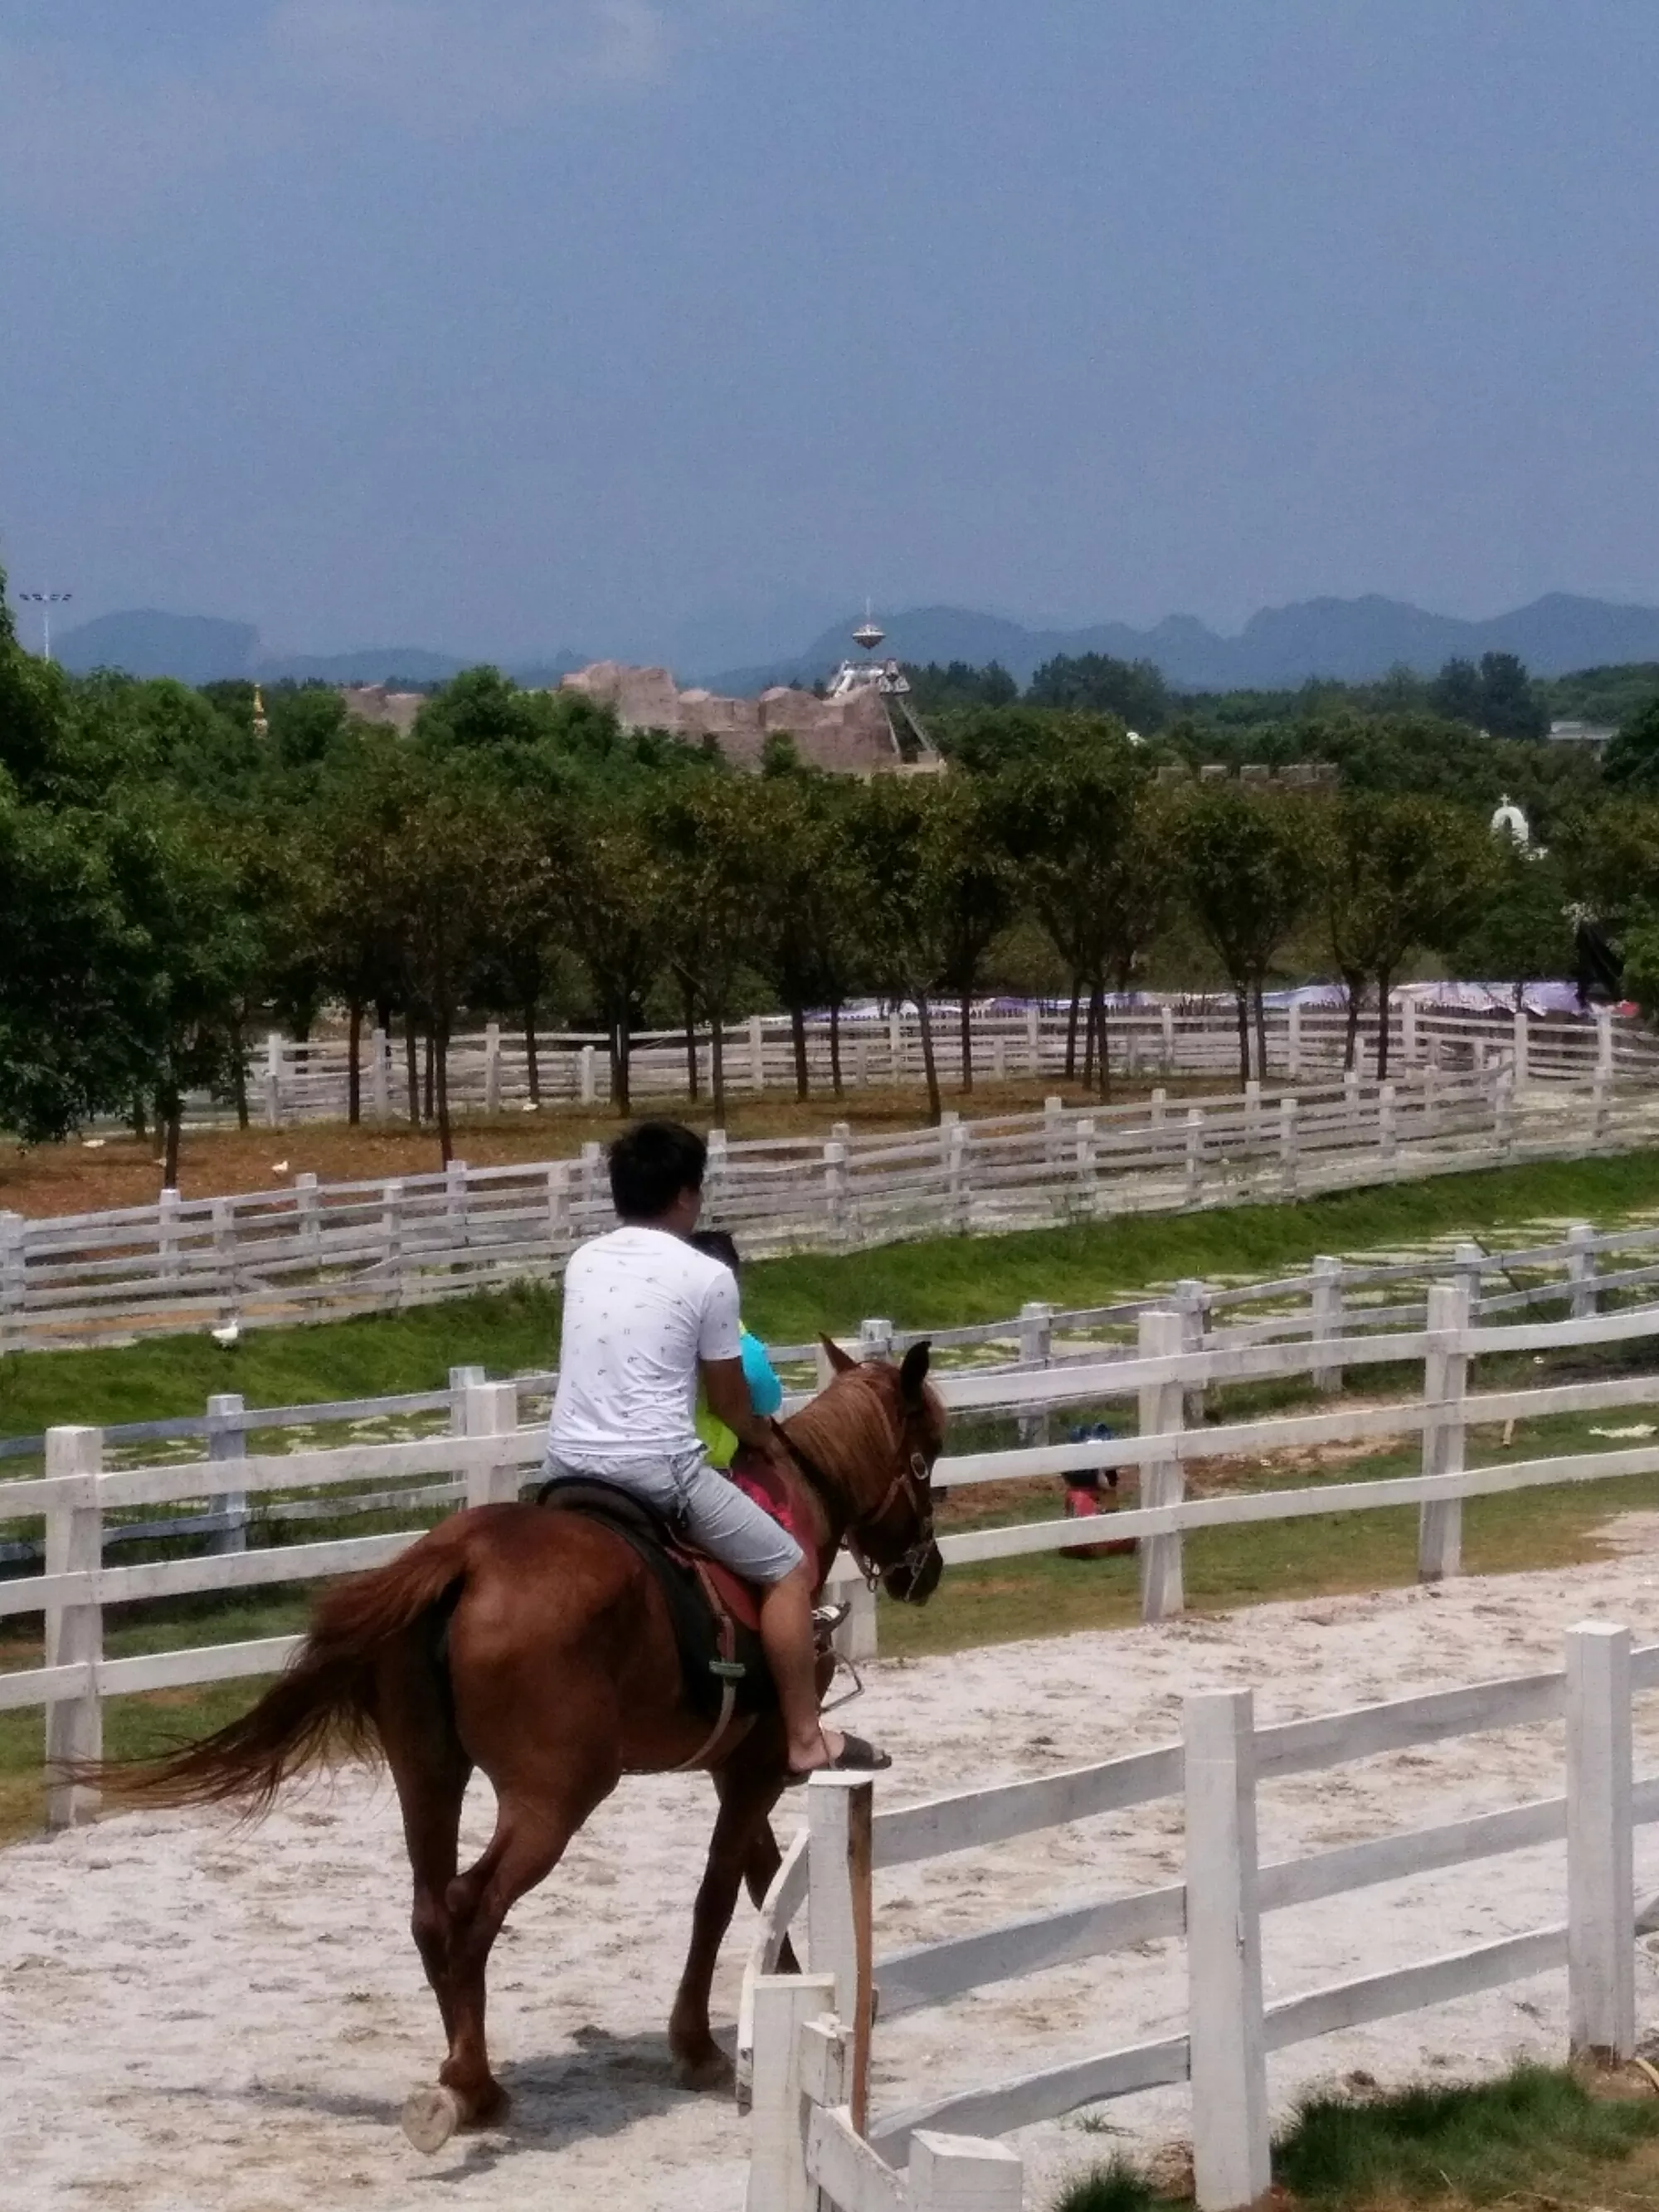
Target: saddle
[{"x": 716, "y": 1615}]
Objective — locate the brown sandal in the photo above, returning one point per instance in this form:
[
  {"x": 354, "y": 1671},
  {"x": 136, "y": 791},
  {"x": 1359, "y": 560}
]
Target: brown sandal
[{"x": 856, "y": 1756}]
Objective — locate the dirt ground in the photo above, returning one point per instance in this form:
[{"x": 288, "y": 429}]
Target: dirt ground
[
  {"x": 91, "y": 1173},
  {"x": 195, "y": 2016}
]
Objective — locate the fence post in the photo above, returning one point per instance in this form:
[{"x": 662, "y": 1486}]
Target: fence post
[
  {"x": 1503, "y": 1115},
  {"x": 1253, "y": 1113},
  {"x": 1190, "y": 1301},
  {"x": 1351, "y": 1079},
  {"x": 1288, "y": 1147},
  {"x": 1445, "y": 1378},
  {"x": 13, "y": 1326},
  {"x": 714, "y": 1174},
  {"x": 1469, "y": 1262},
  {"x": 306, "y": 1205},
  {"x": 1036, "y": 1347},
  {"x": 1408, "y": 1052},
  {"x": 167, "y": 1234},
  {"x": 835, "y": 1190},
  {"x": 223, "y": 1218},
  {"x": 963, "y": 2173},
  {"x": 1522, "y": 1063},
  {"x": 492, "y": 1067},
  {"x": 1053, "y": 1124},
  {"x": 461, "y": 1380},
  {"x": 1167, "y": 1037},
  {"x": 784, "y": 2004},
  {"x": 75, "y": 1633},
  {"x": 1157, "y": 1106},
  {"x": 840, "y": 1858},
  {"x": 455, "y": 1201},
  {"x": 1604, "y": 1041},
  {"x": 1601, "y": 1871},
  {"x": 1600, "y": 1104},
  {"x": 875, "y": 1339},
  {"x": 896, "y": 1046},
  {"x": 392, "y": 1238},
  {"x": 1194, "y": 1181},
  {"x": 227, "y": 1439},
  {"x": 1386, "y": 1131},
  {"x": 856, "y": 1639},
  {"x": 1325, "y": 1323},
  {"x": 957, "y": 1139},
  {"x": 1226, "y": 2037},
  {"x": 1163, "y": 1481},
  {"x": 592, "y": 1185},
  {"x": 491, "y": 1409},
  {"x": 1083, "y": 1154},
  {"x": 1581, "y": 1270},
  {"x": 757, "y": 1052},
  {"x": 1034, "y": 1041},
  {"x": 587, "y": 1076},
  {"x": 1294, "y": 1042},
  {"x": 273, "y": 1080},
  {"x": 379, "y": 1075}
]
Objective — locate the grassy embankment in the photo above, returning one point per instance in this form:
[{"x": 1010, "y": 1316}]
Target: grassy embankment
[
  {"x": 1540, "y": 2137},
  {"x": 952, "y": 1280}
]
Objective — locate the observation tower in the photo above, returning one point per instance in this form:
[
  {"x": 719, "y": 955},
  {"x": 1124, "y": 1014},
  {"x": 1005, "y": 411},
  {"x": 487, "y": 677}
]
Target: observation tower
[{"x": 890, "y": 687}]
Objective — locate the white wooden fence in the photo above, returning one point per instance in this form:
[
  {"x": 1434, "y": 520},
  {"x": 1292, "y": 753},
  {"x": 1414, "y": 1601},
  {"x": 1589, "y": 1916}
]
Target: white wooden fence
[
  {"x": 74, "y": 1500},
  {"x": 1330, "y": 1299},
  {"x": 799, "y": 2065},
  {"x": 309, "y": 1251},
  {"x": 488, "y": 1070}
]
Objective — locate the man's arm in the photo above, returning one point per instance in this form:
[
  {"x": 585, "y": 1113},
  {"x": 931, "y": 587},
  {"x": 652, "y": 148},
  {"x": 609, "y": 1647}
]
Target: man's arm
[{"x": 727, "y": 1390}]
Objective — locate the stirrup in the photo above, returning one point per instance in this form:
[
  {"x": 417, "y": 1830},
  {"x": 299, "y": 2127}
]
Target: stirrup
[{"x": 827, "y": 1619}]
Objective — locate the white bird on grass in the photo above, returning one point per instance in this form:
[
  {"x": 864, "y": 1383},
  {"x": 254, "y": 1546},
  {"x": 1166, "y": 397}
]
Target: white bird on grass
[{"x": 228, "y": 1333}]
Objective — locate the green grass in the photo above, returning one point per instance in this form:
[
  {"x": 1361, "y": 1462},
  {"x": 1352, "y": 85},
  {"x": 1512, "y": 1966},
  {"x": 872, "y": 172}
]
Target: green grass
[
  {"x": 1536, "y": 2136},
  {"x": 947, "y": 1281}
]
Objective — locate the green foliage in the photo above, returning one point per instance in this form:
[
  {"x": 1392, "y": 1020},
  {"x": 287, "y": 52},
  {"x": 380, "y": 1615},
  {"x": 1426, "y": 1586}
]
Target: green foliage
[
  {"x": 1534, "y": 2132},
  {"x": 1247, "y": 861},
  {"x": 1632, "y": 760},
  {"x": 933, "y": 688},
  {"x": 1117, "y": 2186},
  {"x": 1521, "y": 931},
  {"x": 1096, "y": 684}
]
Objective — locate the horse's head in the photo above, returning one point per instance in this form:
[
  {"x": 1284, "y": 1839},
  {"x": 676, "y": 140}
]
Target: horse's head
[{"x": 892, "y": 1501}]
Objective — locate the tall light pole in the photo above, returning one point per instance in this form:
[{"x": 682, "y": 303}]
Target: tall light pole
[{"x": 46, "y": 601}]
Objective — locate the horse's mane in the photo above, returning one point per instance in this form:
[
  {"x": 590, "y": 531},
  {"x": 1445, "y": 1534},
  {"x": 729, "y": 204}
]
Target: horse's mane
[{"x": 851, "y": 1427}]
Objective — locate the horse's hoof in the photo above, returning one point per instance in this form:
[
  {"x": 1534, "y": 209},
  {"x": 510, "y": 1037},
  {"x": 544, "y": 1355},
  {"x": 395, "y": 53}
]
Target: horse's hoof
[
  {"x": 713, "y": 2071},
  {"x": 429, "y": 2117}
]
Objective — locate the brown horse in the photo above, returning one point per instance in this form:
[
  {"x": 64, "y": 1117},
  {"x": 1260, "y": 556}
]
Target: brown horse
[{"x": 537, "y": 1646}]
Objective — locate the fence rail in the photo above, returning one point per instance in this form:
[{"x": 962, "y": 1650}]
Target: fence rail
[
  {"x": 494, "y": 1071},
  {"x": 1218, "y": 1905},
  {"x": 306, "y": 1250}
]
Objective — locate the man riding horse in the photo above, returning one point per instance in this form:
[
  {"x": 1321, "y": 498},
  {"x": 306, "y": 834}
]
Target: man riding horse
[{"x": 645, "y": 1316}]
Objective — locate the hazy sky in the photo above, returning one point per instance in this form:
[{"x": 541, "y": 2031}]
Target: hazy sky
[{"x": 502, "y": 325}]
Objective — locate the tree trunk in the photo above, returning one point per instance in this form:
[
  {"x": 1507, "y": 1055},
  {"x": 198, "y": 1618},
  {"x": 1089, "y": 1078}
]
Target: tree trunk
[
  {"x": 532, "y": 1065},
  {"x": 797, "y": 1038},
  {"x": 1242, "y": 998},
  {"x": 966, "y": 1018},
  {"x": 1070, "y": 1031},
  {"x": 689, "y": 1002},
  {"x": 411, "y": 1068},
  {"x": 621, "y": 1053},
  {"x": 238, "y": 1072},
  {"x": 140, "y": 1117},
  {"x": 438, "y": 1046},
  {"x": 1356, "y": 990},
  {"x": 429, "y": 1084},
  {"x": 1089, "y": 1042},
  {"x": 835, "y": 1048},
  {"x": 171, "y": 1107},
  {"x": 717, "y": 1062},
  {"x": 354, "y": 1072},
  {"x": 1260, "y": 1032},
  {"x": 1098, "y": 1008},
  {"x": 930, "y": 1065},
  {"x": 1384, "y": 985}
]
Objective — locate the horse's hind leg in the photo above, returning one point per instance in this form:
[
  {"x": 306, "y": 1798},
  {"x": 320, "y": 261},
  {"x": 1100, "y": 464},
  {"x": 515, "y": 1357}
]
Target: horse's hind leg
[
  {"x": 529, "y": 1840},
  {"x": 431, "y": 1771}
]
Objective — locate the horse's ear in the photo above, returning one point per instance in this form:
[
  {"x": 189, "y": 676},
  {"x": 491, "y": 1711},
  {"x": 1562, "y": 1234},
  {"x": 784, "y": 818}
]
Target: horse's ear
[
  {"x": 913, "y": 1371},
  {"x": 842, "y": 1362}
]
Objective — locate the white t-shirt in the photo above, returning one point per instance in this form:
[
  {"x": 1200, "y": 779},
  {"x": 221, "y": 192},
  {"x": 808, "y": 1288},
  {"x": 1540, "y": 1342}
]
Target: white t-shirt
[{"x": 642, "y": 1308}]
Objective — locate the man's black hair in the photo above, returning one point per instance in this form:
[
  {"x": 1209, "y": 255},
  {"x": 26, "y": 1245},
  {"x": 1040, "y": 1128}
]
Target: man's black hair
[
  {"x": 719, "y": 1243},
  {"x": 651, "y": 1164}
]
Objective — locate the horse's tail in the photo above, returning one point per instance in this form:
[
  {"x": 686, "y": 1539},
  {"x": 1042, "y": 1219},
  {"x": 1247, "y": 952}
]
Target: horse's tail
[{"x": 322, "y": 1708}]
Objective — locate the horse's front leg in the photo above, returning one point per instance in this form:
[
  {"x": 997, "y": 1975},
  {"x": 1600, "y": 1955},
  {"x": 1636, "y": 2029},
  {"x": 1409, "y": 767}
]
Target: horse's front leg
[{"x": 748, "y": 1791}]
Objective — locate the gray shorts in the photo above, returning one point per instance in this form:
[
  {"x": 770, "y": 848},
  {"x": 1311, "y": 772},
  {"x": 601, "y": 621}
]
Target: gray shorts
[{"x": 717, "y": 1516}]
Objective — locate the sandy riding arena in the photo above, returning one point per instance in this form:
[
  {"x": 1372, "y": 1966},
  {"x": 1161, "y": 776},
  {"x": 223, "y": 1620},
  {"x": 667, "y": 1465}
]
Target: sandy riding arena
[{"x": 193, "y": 2017}]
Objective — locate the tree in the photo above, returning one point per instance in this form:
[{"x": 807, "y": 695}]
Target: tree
[
  {"x": 1509, "y": 704},
  {"x": 804, "y": 943},
  {"x": 1246, "y": 864},
  {"x": 1070, "y": 828},
  {"x": 1521, "y": 931},
  {"x": 614, "y": 903},
  {"x": 973, "y": 885},
  {"x": 702, "y": 835},
  {"x": 899, "y": 886},
  {"x": 1632, "y": 760},
  {"x": 1098, "y": 684},
  {"x": 1456, "y": 693},
  {"x": 1395, "y": 873}
]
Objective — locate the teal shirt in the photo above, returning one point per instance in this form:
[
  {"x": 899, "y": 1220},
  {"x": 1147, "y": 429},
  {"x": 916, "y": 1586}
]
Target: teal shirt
[{"x": 765, "y": 1399}]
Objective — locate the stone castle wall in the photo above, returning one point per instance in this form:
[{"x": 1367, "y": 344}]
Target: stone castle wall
[{"x": 849, "y": 736}]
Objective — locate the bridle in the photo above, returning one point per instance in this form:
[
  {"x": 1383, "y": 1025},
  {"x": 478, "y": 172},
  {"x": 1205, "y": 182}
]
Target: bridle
[{"x": 910, "y": 1481}]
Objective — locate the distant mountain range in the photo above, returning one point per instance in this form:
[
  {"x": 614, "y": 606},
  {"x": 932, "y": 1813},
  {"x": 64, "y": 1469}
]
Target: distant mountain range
[
  {"x": 201, "y": 649},
  {"x": 1354, "y": 641},
  {"x": 1351, "y": 639}
]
